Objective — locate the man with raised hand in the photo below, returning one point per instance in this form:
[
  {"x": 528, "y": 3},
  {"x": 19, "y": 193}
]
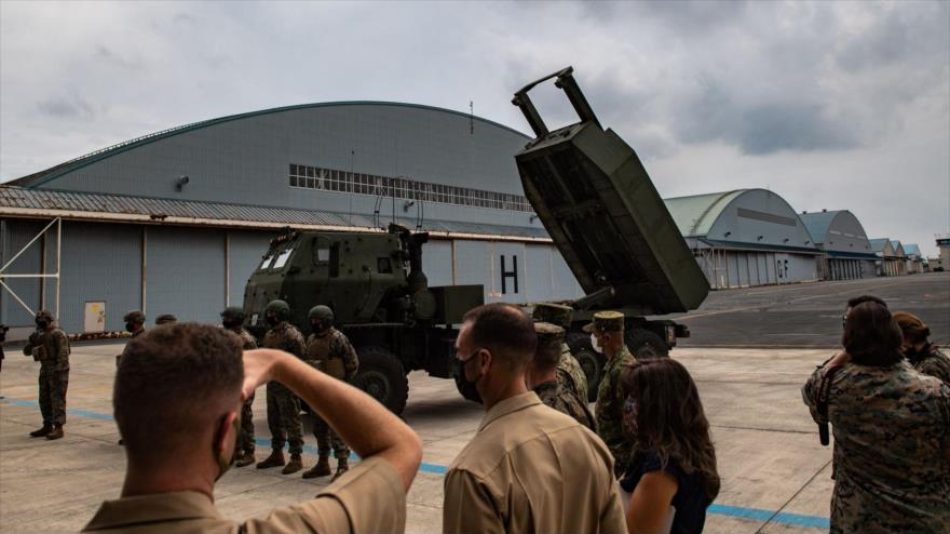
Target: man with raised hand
[{"x": 180, "y": 439}]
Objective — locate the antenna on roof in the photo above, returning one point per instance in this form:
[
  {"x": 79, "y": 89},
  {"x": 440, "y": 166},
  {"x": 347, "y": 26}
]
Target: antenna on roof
[{"x": 471, "y": 117}]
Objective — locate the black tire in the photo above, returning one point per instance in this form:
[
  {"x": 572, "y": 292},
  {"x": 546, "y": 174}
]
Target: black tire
[
  {"x": 645, "y": 345},
  {"x": 591, "y": 362},
  {"x": 381, "y": 375}
]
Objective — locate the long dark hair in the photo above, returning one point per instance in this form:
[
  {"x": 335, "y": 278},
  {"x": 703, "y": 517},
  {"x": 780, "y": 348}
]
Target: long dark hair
[
  {"x": 872, "y": 336},
  {"x": 670, "y": 418}
]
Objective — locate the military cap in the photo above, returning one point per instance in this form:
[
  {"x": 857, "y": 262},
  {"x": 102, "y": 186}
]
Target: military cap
[
  {"x": 134, "y": 316},
  {"x": 233, "y": 312},
  {"x": 605, "y": 321},
  {"x": 548, "y": 332},
  {"x": 44, "y": 314},
  {"x": 166, "y": 318},
  {"x": 553, "y": 313}
]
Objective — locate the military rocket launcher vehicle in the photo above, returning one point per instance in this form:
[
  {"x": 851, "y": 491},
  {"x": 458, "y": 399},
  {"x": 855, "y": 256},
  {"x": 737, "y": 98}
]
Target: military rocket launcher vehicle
[
  {"x": 380, "y": 296},
  {"x": 596, "y": 201}
]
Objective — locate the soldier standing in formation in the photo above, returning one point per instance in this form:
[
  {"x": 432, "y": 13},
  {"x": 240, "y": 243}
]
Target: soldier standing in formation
[
  {"x": 50, "y": 346},
  {"x": 135, "y": 323},
  {"x": 3, "y": 338},
  {"x": 232, "y": 319},
  {"x": 330, "y": 351},
  {"x": 570, "y": 374},
  {"x": 607, "y": 336},
  {"x": 542, "y": 376},
  {"x": 283, "y": 407},
  {"x": 891, "y": 469},
  {"x": 919, "y": 351}
]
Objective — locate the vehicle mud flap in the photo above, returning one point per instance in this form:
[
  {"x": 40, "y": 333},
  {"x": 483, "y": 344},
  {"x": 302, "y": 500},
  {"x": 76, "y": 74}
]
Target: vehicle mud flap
[
  {"x": 382, "y": 376},
  {"x": 591, "y": 362}
]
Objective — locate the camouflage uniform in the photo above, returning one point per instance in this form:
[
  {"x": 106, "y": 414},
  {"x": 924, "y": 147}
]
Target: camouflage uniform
[
  {"x": 51, "y": 349},
  {"x": 565, "y": 401},
  {"x": 930, "y": 361},
  {"x": 610, "y": 410},
  {"x": 283, "y": 407},
  {"x": 570, "y": 374},
  {"x": 332, "y": 353},
  {"x": 891, "y": 429},
  {"x": 245, "y": 439}
]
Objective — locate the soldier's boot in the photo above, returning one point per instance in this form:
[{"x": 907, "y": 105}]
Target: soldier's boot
[
  {"x": 322, "y": 468},
  {"x": 342, "y": 466},
  {"x": 57, "y": 433},
  {"x": 245, "y": 459},
  {"x": 295, "y": 464},
  {"x": 41, "y": 432},
  {"x": 276, "y": 459}
]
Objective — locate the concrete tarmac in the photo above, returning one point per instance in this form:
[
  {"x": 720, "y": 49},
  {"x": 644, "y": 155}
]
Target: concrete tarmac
[{"x": 775, "y": 474}]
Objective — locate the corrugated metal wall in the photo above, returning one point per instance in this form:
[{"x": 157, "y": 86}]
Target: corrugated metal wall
[
  {"x": 193, "y": 272},
  {"x": 101, "y": 263},
  {"x": 733, "y": 269}
]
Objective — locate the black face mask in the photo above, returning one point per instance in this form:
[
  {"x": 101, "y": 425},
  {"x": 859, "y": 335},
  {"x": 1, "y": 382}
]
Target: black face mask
[
  {"x": 272, "y": 320},
  {"x": 130, "y": 327},
  {"x": 231, "y": 324},
  {"x": 41, "y": 325},
  {"x": 317, "y": 327},
  {"x": 468, "y": 387}
]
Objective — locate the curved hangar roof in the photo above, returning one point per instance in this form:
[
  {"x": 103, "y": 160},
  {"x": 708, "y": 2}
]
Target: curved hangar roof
[
  {"x": 249, "y": 158},
  {"x": 838, "y": 232},
  {"x": 742, "y": 218}
]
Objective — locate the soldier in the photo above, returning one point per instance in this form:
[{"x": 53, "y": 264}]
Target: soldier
[
  {"x": 542, "y": 376},
  {"x": 918, "y": 349},
  {"x": 232, "y": 319},
  {"x": 3, "y": 338},
  {"x": 283, "y": 407},
  {"x": 330, "y": 351},
  {"x": 528, "y": 468},
  {"x": 172, "y": 468},
  {"x": 135, "y": 323},
  {"x": 607, "y": 337},
  {"x": 891, "y": 469},
  {"x": 50, "y": 346},
  {"x": 166, "y": 318},
  {"x": 569, "y": 371}
]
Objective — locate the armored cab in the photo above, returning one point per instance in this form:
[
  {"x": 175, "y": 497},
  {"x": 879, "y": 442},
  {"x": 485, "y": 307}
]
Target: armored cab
[
  {"x": 380, "y": 296},
  {"x": 597, "y": 202}
]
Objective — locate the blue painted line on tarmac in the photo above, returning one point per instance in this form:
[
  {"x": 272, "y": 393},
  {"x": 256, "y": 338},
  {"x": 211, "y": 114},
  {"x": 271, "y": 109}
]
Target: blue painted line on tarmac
[
  {"x": 758, "y": 514},
  {"x": 754, "y": 514}
]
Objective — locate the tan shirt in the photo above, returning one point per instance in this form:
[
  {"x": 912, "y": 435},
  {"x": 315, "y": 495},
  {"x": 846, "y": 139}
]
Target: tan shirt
[
  {"x": 531, "y": 468},
  {"x": 369, "y": 498}
]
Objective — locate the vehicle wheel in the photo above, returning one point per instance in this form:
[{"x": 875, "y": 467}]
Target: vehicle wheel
[
  {"x": 591, "y": 362},
  {"x": 456, "y": 372},
  {"x": 381, "y": 375},
  {"x": 645, "y": 345}
]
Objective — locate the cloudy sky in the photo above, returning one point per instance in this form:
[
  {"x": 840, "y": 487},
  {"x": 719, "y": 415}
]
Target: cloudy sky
[{"x": 836, "y": 105}]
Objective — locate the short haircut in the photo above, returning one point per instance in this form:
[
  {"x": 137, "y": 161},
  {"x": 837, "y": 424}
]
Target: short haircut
[
  {"x": 172, "y": 383},
  {"x": 548, "y": 353},
  {"x": 505, "y": 330},
  {"x": 871, "y": 335},
  {"x": 866, "y": 298}
]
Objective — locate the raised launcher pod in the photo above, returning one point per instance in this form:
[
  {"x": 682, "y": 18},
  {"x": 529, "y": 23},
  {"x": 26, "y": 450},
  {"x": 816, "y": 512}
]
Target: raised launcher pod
[{"x": 599, "y": 206}]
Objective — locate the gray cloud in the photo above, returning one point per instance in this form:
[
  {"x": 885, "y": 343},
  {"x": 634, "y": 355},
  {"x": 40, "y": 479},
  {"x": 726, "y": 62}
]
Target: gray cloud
[{"x": 66, "y": 107}]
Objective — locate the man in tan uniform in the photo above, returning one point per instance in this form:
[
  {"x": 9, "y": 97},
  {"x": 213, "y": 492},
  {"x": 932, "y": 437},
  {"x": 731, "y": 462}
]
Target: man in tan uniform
[
  {"x": 172, "y": 467},
  {"x": 529, "y": 468}
]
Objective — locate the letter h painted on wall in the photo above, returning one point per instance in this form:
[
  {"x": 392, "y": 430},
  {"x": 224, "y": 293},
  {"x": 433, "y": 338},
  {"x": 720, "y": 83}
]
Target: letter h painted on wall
[{"x": 505, "y": 274}]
